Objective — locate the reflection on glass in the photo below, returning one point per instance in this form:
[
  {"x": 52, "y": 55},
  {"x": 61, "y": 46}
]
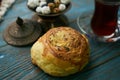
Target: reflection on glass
[{"x": 103, "y": 24}]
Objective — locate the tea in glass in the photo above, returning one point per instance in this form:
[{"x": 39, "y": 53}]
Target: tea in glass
[{"x": 104, "y": 21}]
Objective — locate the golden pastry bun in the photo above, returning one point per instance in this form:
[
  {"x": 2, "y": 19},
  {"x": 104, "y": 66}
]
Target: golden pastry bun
[{"x": 61, "y": 51}]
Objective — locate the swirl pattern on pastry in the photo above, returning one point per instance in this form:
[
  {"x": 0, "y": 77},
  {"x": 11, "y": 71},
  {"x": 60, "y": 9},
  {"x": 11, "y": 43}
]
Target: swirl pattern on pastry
[{"x": 65, "y": 50}]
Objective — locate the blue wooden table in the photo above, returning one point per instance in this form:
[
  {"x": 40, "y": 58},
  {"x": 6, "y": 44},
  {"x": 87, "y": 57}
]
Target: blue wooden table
[{"x": 15, "y": 62}]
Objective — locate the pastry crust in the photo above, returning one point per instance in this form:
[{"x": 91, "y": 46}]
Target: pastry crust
[{"x": 61, "y": 51}]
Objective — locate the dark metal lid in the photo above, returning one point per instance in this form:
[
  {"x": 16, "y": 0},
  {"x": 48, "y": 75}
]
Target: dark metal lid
[{"x": 22, "y": 32}]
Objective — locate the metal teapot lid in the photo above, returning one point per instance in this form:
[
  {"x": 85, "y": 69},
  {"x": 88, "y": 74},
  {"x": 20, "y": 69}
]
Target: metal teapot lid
[{"x": 22, "y": 32}]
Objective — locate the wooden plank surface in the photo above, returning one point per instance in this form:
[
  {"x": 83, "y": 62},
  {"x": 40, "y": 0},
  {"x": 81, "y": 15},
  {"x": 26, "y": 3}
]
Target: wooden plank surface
[{"x": 15, "y": 62}]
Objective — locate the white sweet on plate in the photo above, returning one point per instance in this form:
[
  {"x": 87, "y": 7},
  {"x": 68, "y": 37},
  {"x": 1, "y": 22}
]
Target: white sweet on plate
[
  {"x": 62, "y": 7},
  {"x": 33, "y": 3},
  {"x": 46, "y": 10},
  {"x": 39, "y": 9}
]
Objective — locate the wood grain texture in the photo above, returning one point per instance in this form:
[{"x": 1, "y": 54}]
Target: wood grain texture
[{"x": 15, "y": 62}]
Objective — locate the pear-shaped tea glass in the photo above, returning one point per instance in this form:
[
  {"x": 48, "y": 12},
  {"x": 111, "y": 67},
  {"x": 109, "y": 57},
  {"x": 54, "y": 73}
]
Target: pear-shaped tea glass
[{"x": 102, "y": 24}]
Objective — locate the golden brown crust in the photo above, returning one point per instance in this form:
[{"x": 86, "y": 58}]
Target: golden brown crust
[
  {"x": 66, "y": 43},
  {"x": 61, "y": 51}
]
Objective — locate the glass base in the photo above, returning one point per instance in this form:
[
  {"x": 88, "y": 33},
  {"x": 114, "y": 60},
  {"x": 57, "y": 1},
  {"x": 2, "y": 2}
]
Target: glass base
[{"x": 83, "y": 23}]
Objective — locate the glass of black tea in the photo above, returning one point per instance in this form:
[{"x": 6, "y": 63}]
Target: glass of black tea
[{"x": 103, "y": 24}]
